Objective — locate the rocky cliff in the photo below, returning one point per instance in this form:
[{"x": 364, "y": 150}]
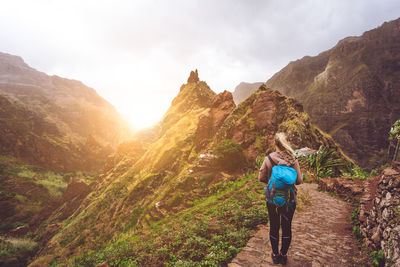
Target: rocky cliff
[
  {"x": 169, "y": 179},
  {"x": 54, "y": 122},
  {"x": 351, "y": 91}
]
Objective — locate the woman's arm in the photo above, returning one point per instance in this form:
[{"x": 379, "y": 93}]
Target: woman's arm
[
  {"x": 299, "y": 179},
  {"x": 263, "y": 172}
]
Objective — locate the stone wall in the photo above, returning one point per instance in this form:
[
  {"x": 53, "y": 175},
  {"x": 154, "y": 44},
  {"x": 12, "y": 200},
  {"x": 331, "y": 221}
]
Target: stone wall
[
  {"x": 380, "y": 217},
  {"x": 379, "y": 209}
]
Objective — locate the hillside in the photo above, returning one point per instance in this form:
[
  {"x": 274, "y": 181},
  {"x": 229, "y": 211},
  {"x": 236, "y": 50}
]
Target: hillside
[
  {"x": 351, "y": 91},
  {"x": 243, "y": 90},
  {"x": 53, "y": 122},
  {"x": 54, "y": 133},
  {"x": 182, "y": 191}
]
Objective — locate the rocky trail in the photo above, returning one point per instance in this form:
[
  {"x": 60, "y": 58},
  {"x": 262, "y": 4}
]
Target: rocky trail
[{"x": 321, "y": 236}]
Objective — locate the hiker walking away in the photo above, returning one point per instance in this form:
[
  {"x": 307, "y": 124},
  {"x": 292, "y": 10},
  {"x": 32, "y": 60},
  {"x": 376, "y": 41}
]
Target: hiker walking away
[{"x": 281, "y": 205}]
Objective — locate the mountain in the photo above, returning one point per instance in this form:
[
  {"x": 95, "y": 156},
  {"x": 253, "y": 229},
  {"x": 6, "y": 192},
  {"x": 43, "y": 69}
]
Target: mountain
[
  {"x": 181, "y": 191},
  {"x": 56, "y": 123},
  {"x": 243, "y": 90},
  {"x": 55, "y": 137},
  {"x": 351, "y": 91}
]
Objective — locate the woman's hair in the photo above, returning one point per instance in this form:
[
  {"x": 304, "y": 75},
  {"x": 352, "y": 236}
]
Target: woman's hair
[{"x": 283, "y": 144}]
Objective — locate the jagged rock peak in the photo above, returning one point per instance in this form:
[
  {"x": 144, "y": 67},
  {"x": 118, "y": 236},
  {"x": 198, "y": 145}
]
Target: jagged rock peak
[{"x": 194, "y": 77}]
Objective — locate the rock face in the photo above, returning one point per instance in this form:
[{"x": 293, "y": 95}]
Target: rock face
[
  {"x": 243, "y": 90},
  {"x": 53, "y": 122},
  {"x": 222, "y": 105},
  {"x": 254, "y": 122},
  {"x": 351, "y": 91}
]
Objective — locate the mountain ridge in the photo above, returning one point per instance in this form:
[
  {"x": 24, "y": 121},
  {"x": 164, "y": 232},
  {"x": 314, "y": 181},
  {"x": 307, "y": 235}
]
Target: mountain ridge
[{"x": 350, "y": 90}]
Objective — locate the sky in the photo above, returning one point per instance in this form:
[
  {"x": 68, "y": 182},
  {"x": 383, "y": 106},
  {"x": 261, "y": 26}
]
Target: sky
[{"x": 137, "y": 53}]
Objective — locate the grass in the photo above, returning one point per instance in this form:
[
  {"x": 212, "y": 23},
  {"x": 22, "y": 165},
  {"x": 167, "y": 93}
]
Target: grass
[
  {"x": 303, "y": 200},
  {"x": 210, "y": 233},
  {"x": 54, "y": 182},
  {"x": 26, "y": 173}
]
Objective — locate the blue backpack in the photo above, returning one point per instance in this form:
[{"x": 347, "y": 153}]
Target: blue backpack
[{"x": 279, "y": 185}]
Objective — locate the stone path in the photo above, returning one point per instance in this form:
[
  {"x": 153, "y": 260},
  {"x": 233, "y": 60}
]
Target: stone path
[{"x": 322, "y": 236}]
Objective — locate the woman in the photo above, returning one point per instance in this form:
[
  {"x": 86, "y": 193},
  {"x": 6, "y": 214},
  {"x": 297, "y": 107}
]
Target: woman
[{"x": 280, "y": 216}]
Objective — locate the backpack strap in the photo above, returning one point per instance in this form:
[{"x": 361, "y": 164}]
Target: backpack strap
[{"x": 270, "y": 159}]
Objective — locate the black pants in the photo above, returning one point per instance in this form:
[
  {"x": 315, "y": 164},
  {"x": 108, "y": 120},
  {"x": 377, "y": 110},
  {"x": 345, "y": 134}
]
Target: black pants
[{"x": 277, "y": 218}]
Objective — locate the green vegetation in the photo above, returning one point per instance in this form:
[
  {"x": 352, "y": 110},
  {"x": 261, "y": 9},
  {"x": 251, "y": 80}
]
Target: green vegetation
[
  {"x": 355, "y": 171},
  {"x": 14, "y": 251},
  {"x": 389, "y": 258},
  {"x": 356, "y": 223},
  {"x": 230, "y": 155},
  {"x": 210, "y": 233},
  {"x": 323, "y": 163},
  {"x": 394, "y": 139},
  {"x": 251, "y": 122},
  {"x": 259, "y": 144},
  {"x": 303, "y": 200},
  {"x": 378, "y": 257},
  {"x": 259, "y": 162},
  {"x": 54, "y": 182},
  {"x": 11, "y": 225}
]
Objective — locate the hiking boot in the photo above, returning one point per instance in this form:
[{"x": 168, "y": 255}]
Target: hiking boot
[
  {"x": 283, "y": 259},
  {"x": 275, "y": 258}
]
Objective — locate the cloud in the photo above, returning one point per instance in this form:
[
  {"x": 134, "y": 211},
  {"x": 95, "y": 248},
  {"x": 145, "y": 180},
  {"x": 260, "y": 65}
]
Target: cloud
[{"x": 135, "y": 52}]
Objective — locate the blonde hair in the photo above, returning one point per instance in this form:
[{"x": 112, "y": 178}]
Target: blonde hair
[{"x": 283, "y": 144}]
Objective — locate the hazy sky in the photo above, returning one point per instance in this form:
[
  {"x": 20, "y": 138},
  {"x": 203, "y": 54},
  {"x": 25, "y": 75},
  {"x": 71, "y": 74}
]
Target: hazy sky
[{"x": 137, "y": 54}]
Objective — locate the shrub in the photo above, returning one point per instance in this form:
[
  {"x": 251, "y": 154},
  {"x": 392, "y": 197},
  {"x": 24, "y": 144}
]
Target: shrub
[
  {"x": 324, "y": 162},
  {"x": 11, "y": 225},
  {"x": 356, "y": 172},
  {"x": 175, "y": 200},
  {"x": 206, "y": 179},
  {"x": 259, "y": 162},
  {"x": 303, "y": 199},
  {"x": 15, "y": 251},
  {"x": 378, "y": 257},
  {"x": 230, "y": 155},
  {"x": 187, "y": 184}
]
